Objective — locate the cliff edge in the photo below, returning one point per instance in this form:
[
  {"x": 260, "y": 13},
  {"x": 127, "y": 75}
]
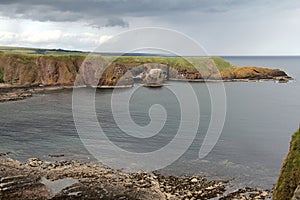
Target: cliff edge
[
  {"x": 52, "y": 70},
  {"x": 289, "y": 178}
]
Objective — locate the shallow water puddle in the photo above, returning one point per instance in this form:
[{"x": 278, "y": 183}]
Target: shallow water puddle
[{"x": 58, "y": 185}]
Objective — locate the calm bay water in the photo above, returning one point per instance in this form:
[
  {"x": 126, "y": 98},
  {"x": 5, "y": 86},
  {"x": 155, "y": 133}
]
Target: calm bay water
[{"x": 260, "y": 119}]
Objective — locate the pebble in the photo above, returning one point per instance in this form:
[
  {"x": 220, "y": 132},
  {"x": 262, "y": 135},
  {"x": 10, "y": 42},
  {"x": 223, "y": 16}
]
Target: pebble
[
  {"x": 194, "y": 180},
  {"x": 34, "y": 162}
]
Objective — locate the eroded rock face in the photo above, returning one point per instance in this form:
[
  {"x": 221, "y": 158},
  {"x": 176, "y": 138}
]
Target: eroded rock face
[
  {"x": 255, "y": 73},
  {"x": 48, "y": 70},
  {"x": 51, "y": 71},
  {"x": 116, "y": 74},
  {"x": 33, "y": 70}
]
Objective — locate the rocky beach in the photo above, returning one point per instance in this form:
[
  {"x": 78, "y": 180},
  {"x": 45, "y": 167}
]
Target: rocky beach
[
  {"x": 63, "y": 179},
  {"x": 15, "y": 93}
]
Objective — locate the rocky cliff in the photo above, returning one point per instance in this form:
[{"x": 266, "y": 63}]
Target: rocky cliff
[
  {"x": 30, "y": 70},
  {"x": 289, "y": 179},
  {"x": 252, "y": 73},
  {"x": 49, "y": 70}
]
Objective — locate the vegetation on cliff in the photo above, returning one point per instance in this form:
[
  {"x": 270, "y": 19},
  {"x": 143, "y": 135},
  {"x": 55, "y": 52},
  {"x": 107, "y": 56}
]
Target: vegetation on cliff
[
  {"x": 1, "y": 76},
  {"x": 31, "y": 67},
  {"x": 26, "y": 70},
  {"x": 178, "y": 63},
  {"x": 36, "y": 69},
  {"x": 289, "y": 177}
]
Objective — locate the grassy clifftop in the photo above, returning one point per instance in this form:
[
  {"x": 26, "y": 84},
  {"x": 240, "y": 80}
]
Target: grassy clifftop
[
  {"x": 27, "y": 67},
  {"x": 188, "y": 63},
  {"x": 48, "y": 69},
  {"x": 289, "y": 177}
]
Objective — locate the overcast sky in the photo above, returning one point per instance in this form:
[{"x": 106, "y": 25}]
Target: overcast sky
[{"x": 222, "y": 27}]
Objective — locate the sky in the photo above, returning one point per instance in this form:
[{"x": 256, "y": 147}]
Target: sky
[{"x": 222, "y": 27}]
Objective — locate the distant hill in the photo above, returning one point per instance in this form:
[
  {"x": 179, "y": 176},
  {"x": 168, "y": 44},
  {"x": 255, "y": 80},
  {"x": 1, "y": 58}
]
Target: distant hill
[
  {"x": 42, "y": 51},
  {"x": 26, "y": 50}
]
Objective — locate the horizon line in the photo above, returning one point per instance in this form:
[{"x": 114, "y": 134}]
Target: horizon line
[{"x": 156, "y": 54}]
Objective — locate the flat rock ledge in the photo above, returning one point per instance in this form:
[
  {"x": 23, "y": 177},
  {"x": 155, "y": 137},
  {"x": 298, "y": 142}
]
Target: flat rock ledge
[
  {"x": 37, "y": 179},
  {"x": 15, "y": 95}
]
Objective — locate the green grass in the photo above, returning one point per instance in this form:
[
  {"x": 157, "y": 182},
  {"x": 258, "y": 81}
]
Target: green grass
[
  {"x": 30, "y": 58},
  {"x": 290, "y": 173},
  {"x": 222, "y": 64},
  {"x": 1, "y": 76},
  {"x": 40, "y": 51},
  {"x": 191, "y": 64}
]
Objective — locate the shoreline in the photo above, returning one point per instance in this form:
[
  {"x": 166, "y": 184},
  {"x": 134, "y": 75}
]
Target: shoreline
[
  {"x": 10, "y": 92},
  {"x": 15, "y": 92},
  {"x": 283, "y": 79},
  {"x": 71, "y": 179}
]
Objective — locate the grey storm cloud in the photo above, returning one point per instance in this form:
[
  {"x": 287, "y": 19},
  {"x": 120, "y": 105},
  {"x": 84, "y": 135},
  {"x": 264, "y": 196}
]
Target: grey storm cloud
[
  {"x": 111, "y": 12},
  {"x": 115, "y": 12},
  {"x": 230, "y": 26},
  {"x": 116, "y": 22}
]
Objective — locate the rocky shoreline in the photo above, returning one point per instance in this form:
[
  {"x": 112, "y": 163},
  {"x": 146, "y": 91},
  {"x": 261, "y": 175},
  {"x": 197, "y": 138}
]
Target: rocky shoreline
[
  {"x": 279, "y": 79},
  {"x": 15, "y": 95},
  {"x": 17, "y": 92},
  {"x": 22, "y": 74},
  {"x": 37, "y": 179}
]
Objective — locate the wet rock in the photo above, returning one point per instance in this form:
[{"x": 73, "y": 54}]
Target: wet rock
[
  {"x": 297, "y": 193},
  {"x": 5, "y": 153},
  {"x": 248, "y": 193},
  {"x": 194, "y": 180},
  {"x": 38, "y": 180},
  {"x": 283, "y": 80},
  {"x": 34, "y": 162},
  {"x": 56, "y": 155},
  {"x": 14, "y": 94}
]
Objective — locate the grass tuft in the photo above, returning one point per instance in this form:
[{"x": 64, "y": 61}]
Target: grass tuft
[{"x": 1, "y": 76}]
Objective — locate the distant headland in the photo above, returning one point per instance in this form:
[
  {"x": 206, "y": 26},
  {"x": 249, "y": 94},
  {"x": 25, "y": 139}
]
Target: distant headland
[{"x": 45, "y": 68}]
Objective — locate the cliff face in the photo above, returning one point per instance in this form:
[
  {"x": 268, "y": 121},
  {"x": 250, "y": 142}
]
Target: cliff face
[
  {"x": 35, "y": 69},
  {"x": 256, "y": 73},
  {"x": 32, "y": 70},
  {"x": 289, "y": 178}
]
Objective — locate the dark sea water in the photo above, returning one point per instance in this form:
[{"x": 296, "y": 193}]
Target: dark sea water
[{"x": 260, "y": 119}]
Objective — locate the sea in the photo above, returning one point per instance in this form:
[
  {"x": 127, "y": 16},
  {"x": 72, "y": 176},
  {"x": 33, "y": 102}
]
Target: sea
[{"x": 260, "y": 118}]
